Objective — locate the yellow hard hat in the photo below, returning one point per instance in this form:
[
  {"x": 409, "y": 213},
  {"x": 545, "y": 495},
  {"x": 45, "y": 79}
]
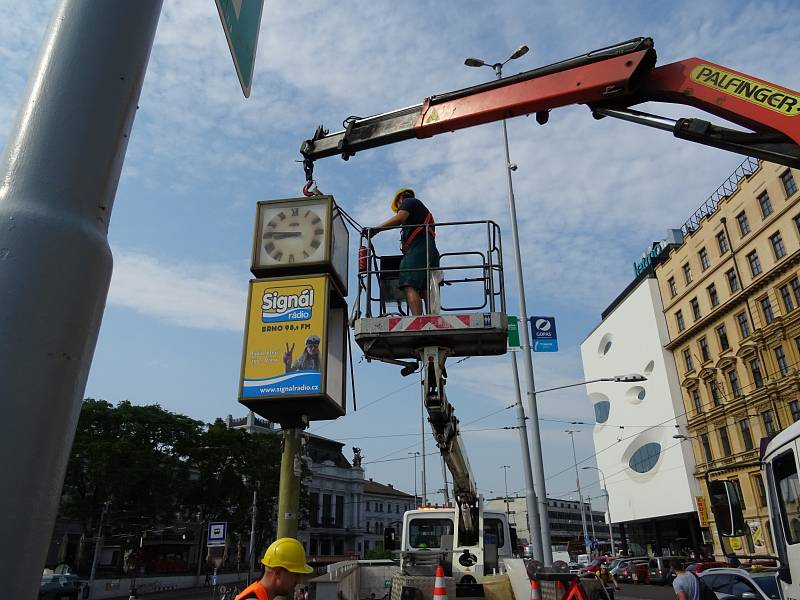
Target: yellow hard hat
[
  {"x": 396, "y": 199},
  {"x": 287, "y": 553}
]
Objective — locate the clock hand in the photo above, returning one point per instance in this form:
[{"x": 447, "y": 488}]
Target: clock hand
[{"x": 279, "y": 235}]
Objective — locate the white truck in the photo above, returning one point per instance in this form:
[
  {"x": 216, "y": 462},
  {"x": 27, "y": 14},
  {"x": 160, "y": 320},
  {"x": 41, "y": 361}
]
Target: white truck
[{"x": 780, "y": 470}]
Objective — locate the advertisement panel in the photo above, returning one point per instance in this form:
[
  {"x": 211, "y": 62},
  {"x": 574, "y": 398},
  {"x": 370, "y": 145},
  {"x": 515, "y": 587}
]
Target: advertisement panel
[
  {"x": 294, "y": 358},
  {"x": 285, "y": 337}
]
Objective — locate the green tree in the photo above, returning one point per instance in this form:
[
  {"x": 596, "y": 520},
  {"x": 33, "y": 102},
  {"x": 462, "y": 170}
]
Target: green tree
[
  {"x": 231, "y": 464},
  {"x": 136, "y": 458}
]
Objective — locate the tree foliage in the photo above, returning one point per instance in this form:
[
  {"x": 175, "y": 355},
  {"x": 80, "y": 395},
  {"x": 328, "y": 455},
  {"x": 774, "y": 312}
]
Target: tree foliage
[{"x": 159, "y": 469}]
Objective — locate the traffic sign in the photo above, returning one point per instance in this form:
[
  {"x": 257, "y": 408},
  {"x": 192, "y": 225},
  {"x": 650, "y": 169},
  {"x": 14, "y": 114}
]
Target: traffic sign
[
  {"x": 241, "y": 20},
  {"x": 513, "y": 331},
  {"x": 543, "y": 331},
  {"x": 217, "y": 533}
]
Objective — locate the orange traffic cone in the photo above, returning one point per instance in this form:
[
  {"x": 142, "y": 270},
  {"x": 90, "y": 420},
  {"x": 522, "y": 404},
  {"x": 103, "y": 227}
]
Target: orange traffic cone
[
  {"x": 439, "y": 589},
  {"x": 536, "y": 590}
]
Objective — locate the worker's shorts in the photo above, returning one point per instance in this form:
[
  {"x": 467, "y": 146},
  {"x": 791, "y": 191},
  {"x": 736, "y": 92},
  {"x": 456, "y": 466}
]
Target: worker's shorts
[{"x": 417, "y": 257}]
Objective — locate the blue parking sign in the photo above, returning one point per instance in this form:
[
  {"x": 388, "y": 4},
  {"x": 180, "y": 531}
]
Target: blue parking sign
[{"x": 543, "y": 332}]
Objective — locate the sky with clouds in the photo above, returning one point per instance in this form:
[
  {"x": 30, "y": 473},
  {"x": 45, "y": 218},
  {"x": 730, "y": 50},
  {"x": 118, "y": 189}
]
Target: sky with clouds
[{"x": 591, "y": 195}]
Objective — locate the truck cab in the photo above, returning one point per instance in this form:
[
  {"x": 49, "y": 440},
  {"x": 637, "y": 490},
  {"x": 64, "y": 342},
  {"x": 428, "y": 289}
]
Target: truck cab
[
  {"x": 780, "y": 468},
  {"x": 430, "y": 536}
]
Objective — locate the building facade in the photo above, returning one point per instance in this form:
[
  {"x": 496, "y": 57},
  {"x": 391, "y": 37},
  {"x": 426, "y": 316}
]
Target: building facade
[
  {"x": 638, "y": 458},
  {"x": 731, "y": 294},
  {"x": 335, "y": 527},
  {"x": 383, "y": 507},
  {"x": 566, "y": 526}
]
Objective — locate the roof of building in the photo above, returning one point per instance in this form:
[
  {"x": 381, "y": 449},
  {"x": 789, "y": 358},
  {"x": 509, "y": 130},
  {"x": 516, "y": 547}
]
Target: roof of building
[{"x": 373, "y": 487}]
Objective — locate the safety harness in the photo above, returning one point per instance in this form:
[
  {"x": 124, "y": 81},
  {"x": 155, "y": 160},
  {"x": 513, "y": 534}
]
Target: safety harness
[{"x": 426, "y": 224}]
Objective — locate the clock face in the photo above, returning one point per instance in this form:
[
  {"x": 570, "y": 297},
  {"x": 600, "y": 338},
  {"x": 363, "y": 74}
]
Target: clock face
[{"x": 293, "y": 233}]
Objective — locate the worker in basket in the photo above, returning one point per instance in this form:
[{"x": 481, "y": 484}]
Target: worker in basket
[
  {"x": 417, "y": 243},
  {"x": 284, "y": 568}
]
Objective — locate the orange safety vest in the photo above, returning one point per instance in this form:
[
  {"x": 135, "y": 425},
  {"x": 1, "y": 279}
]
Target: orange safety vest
[
  {"x": 254, "y": 590},
  {"x": 426, "y": 224}
]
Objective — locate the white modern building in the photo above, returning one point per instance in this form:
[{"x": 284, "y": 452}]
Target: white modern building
[{"x": 648, "y": 472}]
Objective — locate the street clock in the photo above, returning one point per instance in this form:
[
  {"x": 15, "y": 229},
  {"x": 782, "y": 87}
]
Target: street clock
[{"x": 298, "y": 236}]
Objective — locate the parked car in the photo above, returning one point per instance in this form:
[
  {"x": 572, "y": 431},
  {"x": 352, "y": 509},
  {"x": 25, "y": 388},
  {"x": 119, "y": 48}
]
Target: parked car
[
  {"x": 621, "y": 568},
  {"x": 729, "y": 583},
  {"x": 699, "y": 567},
  {"x": 659, "y": 570},
  {"x": 57, "y": 586},
  {"x": 641, "y": 572}
]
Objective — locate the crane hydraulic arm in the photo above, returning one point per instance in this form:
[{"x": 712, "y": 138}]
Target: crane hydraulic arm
[{"x": 609, "y": 81}]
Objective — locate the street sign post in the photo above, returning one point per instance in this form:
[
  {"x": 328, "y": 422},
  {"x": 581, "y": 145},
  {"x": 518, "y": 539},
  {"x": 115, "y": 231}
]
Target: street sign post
[
  {"x": 543, "y": 330},
  {"x": 241, "y": 20},
  {"x": 513, "y": 331},
  {"x": 217, "y": 533}
]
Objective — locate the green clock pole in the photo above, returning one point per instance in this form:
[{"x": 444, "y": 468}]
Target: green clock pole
[{"x": 289, "y": 487}]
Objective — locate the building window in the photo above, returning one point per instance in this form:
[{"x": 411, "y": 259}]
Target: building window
[
  {"x": 777, "y": 245},
  {"x": 755, "y": 369},
  {"x": 368, "y": 531},
  {"x": 766, "y": 308},
  {"x": 645, "y": 458},
  {"x": 789, "y": 185},
  {"x": 733, "y": 379},
  {"x": 706, "y": 447},
  {"x": 769, "y": 424},
  {"x": 780, "y": 356},
  {"x": 726, "y": 443},
  {"x": 367, "y": 505},
  {"x": 687, "y": 358},
  {"x": 797, "y": 343},
  {"x": 765, "y": 204},
  {"x": 755, "y": 264},
  {"x": 722, "y": 336},
  {"x": 744, "y": 224},
  {"x": 704, "y": 263},
  {"x": 714, "y": 388},
  {"x": 679, "y": 321},
  {"x": 733, "y": 280},
  {"x": 713, "y": 296},
  {"x": 744, "y": 326},
  {"x": 695, "y": 308},
  {"x": 786, "y": 296},
  {"x": 722, "y": 242},
  {"x": 703, "y": 342},
  {"x": 795, "y": 283},
  {"x": 673, "y": 289},
  {"x": 747, "y": 437},
  {"x": 698, "y": 404},
  {"x": 794, "y": 407},
  {"x": 761, "y": 493},
  {"x": 687, "y": 273},
  {"x": 738, "y": 487}
]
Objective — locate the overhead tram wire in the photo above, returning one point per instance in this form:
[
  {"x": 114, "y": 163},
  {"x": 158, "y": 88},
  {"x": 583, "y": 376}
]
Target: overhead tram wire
[{"x": 705, "y": 405}]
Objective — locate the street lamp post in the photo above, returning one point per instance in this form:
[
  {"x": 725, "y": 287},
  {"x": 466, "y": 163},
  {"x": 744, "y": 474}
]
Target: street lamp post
[
  {"x": 608, "y": 508},
  {"x": 542, "y": 547},
  {"x": 415, "y": 454},
  {"x": 571, "y": 433},
  {"x": 505, "y": 480}
]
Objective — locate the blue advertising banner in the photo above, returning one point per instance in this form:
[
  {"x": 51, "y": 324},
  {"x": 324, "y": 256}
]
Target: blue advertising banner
[{"x": 543, "y": 333}]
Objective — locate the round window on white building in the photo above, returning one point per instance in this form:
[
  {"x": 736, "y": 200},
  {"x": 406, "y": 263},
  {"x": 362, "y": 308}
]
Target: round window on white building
[
  {"x": 635, "y": 394},
  {"x": 605, "y": 344},
  {"x": 648, "y": 369},
  {"x": 602, "y": 407},
  {"x": 645, "y": 458}
]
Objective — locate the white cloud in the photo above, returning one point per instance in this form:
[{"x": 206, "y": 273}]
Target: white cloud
[{"x": 188, "y": 295}]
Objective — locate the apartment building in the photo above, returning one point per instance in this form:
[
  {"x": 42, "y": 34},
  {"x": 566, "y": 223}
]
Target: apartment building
[{"x": 731, "y": 298}]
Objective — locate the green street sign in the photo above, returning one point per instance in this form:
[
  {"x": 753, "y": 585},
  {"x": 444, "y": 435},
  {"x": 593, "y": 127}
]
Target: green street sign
[
  {"x": 241, "y": 20},
  {"x": 513, "y": 332}
]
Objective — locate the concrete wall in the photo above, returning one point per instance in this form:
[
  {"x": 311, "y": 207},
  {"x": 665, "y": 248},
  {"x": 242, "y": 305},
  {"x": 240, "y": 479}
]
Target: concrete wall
[{"x": 631, "y": 340}]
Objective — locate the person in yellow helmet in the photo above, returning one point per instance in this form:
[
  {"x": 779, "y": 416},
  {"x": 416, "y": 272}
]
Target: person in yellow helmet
[
  {"x": 284, "y": 568},
  {"x": 417, "y": 241}
]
